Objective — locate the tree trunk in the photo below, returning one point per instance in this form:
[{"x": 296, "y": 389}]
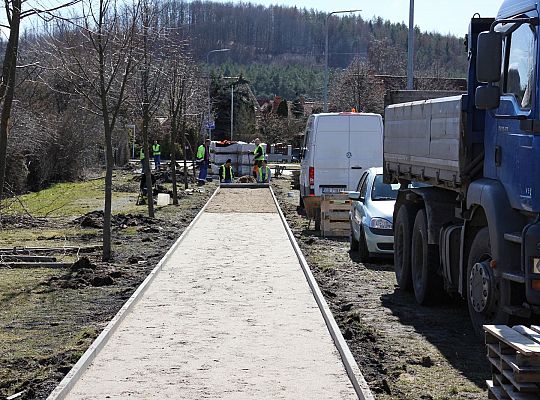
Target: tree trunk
[
  {"x": 7, "y": 87},
  {"x": 108, "y": 190},
  {"x": 146, "y": 162},
  {"x": 173, "y": 162},
  {"x": 186, "y": 185}
]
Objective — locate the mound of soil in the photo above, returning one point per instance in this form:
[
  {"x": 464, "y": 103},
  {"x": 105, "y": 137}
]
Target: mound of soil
[{"x": 94, "y": 219}]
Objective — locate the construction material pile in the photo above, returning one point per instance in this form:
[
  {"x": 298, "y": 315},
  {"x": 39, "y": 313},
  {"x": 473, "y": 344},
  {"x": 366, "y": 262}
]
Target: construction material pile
[{"x": 240, "y": 153}]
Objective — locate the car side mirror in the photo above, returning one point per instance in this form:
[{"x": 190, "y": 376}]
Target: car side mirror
[
  {"x": 488, "y": 57},
  {"x": 487, "y": 97},
  {"x": 354, "y": 196}
]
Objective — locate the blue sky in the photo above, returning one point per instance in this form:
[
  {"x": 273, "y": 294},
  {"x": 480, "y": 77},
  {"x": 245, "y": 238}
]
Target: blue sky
[{"x": 443, "y": 16}]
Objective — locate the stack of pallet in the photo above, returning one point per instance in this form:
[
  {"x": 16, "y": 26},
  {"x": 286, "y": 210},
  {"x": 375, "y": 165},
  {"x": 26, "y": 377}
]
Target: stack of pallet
[
  {"x": 514, "y": 354},
  {"x": 335, "y": 215}
]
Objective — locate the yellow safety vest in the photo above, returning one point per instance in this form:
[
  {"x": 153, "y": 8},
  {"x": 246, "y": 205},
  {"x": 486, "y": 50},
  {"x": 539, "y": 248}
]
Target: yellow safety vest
[
  {"x": 222, "y": 172},
  {"x": 201, "y": 150},
  {"x": 261, "y": 156},
  {"x": 156, "y": 149}
]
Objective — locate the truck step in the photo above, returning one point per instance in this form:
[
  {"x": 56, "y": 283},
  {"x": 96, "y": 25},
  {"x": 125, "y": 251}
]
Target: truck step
[
  {"x": 514, "y": 237},
  {"x": 513, "y": 277}
]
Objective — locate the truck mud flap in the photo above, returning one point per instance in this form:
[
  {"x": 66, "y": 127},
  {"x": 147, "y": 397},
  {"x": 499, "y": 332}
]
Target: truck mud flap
[
  {"x": 450, "y": 247},
  {"x": 531, "y": 262}
]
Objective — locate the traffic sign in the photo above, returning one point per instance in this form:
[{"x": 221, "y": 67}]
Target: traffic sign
[{"x": 211, "y": 125}]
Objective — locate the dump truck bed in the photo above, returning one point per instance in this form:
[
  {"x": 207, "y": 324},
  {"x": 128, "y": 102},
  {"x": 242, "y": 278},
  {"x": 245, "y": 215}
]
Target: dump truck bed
[{"x": 423, "y": 141}]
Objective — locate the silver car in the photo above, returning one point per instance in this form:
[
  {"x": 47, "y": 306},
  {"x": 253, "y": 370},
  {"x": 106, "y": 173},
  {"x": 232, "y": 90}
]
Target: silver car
[{"x": 371, "y": 215}]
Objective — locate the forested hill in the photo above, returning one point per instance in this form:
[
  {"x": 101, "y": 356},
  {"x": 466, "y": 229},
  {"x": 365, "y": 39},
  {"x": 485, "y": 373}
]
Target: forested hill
[{"x": 285, "y": 35}]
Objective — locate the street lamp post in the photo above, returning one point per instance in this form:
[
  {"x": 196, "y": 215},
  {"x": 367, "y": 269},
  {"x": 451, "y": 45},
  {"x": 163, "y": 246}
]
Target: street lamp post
[
  {"x": 232, "y": 110},
  {"x": 410, "y": 49},
  {"x": 209, "y": 107},
  {"x": 132, "y": 126},
  {"x": 325, "y": 92}
]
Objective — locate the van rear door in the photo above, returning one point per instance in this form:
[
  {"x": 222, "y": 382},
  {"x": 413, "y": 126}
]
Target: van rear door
[
  {"x": 331, "y": 149},
  {"x": 366, "y": 145}
]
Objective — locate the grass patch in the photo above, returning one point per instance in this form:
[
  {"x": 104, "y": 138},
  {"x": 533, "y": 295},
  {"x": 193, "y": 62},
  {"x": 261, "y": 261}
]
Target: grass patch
[
  {"x": 39, "y": 332},
  {"x": 70, "y": 199},
  {"x": 47, "y": 237}
]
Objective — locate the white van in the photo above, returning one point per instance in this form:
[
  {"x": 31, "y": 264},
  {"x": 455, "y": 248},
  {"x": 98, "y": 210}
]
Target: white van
[{"x": 338, "y": 148}]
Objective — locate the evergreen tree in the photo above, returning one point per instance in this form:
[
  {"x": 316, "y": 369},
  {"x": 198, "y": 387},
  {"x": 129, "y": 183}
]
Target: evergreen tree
[{"x": 283, "y": 109}]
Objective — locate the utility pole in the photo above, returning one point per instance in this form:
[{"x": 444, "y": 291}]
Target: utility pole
[
  {"x": 325, "y": 89},
  {"x": 410, "y": 49}
]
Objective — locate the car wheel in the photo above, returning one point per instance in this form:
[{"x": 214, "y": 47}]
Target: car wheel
[
  {"x": 363, "y": 252},
  {"x": 427, "y": 285},
  {"x": 353, "y": 243},
  {"x": 402, "y": 246}
]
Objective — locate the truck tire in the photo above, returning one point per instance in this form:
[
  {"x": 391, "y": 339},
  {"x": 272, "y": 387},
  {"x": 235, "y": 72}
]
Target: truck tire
[
  {"x": 402, "y": 247},
  {"x": 424, "y": 262},
  {"x": 484, "y": 294}
]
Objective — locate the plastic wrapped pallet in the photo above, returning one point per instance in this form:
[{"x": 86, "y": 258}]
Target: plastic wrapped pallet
[
  {"x": 231, "y": 148},
  {"x": 222, "y": 158}
]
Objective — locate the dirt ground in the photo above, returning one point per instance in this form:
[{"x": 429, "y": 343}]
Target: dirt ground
[
  {"x": 48, "y": 317},
  {"x": 404, "y": 351}
]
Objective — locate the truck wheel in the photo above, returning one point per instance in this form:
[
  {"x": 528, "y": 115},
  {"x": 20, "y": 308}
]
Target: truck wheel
[
  {"x": 402, "y": 246},
  {"x": 483, "y": 290},
  {"x": 363, "y": 252},
  {"x": 424, "y": 262}
]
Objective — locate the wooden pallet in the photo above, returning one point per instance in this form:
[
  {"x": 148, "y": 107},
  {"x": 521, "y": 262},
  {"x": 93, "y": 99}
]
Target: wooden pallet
[
  {"x": 514, "y": 354},
  {"x": 335, "y": 215}
]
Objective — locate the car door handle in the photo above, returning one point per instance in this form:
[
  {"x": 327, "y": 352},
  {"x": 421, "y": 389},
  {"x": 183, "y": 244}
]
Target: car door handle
[{"x": 356, "y": 167}]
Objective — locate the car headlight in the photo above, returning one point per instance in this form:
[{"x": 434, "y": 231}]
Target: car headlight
[{"x": 380, "y": 223}]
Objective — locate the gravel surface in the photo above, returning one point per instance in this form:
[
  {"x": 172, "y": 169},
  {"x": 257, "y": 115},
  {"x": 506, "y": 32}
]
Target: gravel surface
[
  {"x": 240, "y": 323},
  {"x": 404, "y": 351},
  {"x": 230, "y": 200}
]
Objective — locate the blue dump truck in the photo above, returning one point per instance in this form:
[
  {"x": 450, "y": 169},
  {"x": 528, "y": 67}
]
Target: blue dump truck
[{"x": 473, "y": 229}]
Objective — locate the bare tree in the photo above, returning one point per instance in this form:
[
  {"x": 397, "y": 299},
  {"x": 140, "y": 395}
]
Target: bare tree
[
  {"x": 97, "y": 59},
  {"x": 15, "y": 12},
  {"x": 358, "y": 88},
  {"x": 185, "y": 98},
  {"x": 149, "y": 85}
]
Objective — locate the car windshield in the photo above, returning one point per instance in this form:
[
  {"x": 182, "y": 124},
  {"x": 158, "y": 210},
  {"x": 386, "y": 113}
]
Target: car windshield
[{"x": 383, "y": 191}]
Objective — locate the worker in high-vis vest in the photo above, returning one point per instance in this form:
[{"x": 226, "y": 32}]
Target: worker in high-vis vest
[
  {"x": 264, "y": 174},
  {"x": 203, "y": 161},
  {"x": 258, "y": 153},
  {"x": 156, "y": 152},
  {"x": 226, "y": 172}
]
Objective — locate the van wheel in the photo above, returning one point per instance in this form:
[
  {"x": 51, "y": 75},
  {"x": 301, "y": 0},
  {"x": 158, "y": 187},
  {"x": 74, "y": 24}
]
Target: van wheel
[
  {"x": 484, "y": 293},
  {"x": 402, "y": 246},
  {"x": 424, "y": 262},
  {"x": 317, "y": 223}
]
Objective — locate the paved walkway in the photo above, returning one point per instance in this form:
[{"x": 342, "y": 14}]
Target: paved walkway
[{"x": 230, "y": 316}]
